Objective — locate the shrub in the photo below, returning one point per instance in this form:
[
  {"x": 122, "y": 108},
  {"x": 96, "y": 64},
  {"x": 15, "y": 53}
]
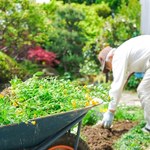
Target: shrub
[
  {"x": 91, "y": 64},
  {"x": 103, "y": 10},
  {"x": 22, "y": 22},
  {"x": 67, "y": 39},
  {"x": 113, "y": 4},
  {"x": 126, "y": 9},
  {"x": 42, "y": 56},
  {"x": 116, "y": 31},
  {"x": 133, "y": 83},
  {"x": 9, "y": 69}
]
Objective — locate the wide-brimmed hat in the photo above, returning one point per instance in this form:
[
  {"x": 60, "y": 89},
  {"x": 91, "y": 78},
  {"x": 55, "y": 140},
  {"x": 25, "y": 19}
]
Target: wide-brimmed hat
[{"x": 102, "y": 58}]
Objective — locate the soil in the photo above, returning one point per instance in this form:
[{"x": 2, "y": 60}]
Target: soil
[{"x": 99, "y": 138}]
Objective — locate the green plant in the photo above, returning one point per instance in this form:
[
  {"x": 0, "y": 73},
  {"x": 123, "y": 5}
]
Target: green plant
[
  {"x": 116, "y": 31},
  {"x": 129, "y": 113},
  {"x": 135, "y": 139},
  {"x": 66, "y": 38},
  {"x": 90, "y": 118},
  {"x": 103, "y": 10},
  {"x": 126, "y": 9},
  {"x": 92, "y": 24},
  {"x": 30, "y": 66},
  {"x": 133, "y": 83},
  {"x": 90, "y": 66},
  {"x": 10, "y": 68},
  {"x": 37, "y": 97},
  {"x": 114, "y": 4},
  {"x": 22, "y": 23}
]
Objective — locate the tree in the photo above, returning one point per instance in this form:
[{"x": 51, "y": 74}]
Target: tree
[
  {"x": 67, "y": 39},
  {"x": 22, "y": 22}
]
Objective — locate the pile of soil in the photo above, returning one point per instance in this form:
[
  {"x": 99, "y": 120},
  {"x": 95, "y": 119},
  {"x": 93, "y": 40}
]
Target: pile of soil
[{"x": 99, "y": 138}]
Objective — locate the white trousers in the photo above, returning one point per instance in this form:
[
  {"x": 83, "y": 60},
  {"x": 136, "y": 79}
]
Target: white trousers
[{"x": 143, "y": 91}]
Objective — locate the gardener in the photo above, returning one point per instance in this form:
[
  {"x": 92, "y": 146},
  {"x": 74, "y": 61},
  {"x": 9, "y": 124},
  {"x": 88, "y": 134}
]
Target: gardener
[{"x": 132, "y": 56}]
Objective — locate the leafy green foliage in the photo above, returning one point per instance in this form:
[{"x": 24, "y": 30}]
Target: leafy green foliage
[
  {"x": 9, "y": 68},
  {"x": 133, "y": 83},
  {"x": 23, "y": 22},
  {"x": 91, "y": 64},
  {"x": 87, "y": 2},
  {"x": 92, "y": 24},
  {"x": 37, "y": 97},
  {"x": 117, "y": 30},
  {"x": 103, "y": 10},
  {"x": 113, "y": 4},
  {"x": 129, "y": 113},
  {"x": 68, "y": 30},
  {"x": 135, "y": 139},
  {"x": 50, "y": 8},
  {"x": 90, "y": 118},
  {"x": 89, "y": 68},
  {"x": 30, "y": 66},
  {"x": 66, "y": 37},
  {"x": 126, "y": 9}
]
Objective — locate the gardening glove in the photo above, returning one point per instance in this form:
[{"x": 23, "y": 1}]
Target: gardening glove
[{"x": 107, "y": 119}]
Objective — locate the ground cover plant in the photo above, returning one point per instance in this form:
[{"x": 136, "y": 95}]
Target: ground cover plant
[
  {"x": 38, "y": 97},
  {"x": 135, "y": 139},
  {"x": 129, "y": 113}
]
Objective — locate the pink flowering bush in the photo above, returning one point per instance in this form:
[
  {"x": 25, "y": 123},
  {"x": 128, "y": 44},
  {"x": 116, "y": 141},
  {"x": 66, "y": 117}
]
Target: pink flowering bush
[{"x": 42, "y": 56}]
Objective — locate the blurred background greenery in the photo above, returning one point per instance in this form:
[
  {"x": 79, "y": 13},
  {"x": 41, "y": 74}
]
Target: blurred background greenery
[{"x": 74, "y": 30}]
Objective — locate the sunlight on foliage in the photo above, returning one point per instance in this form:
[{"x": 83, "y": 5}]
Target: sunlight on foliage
[{"x": 38, "y": 97}]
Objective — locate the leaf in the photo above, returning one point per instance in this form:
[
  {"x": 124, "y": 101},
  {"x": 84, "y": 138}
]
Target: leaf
[{"x": 39, "y": 73}]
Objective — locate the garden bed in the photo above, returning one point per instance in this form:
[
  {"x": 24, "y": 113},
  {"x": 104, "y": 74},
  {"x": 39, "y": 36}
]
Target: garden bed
[{"x": 99, "y": 138}]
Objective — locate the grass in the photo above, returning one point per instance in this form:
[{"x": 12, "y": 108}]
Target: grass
[{"x": 135, "y": 139}]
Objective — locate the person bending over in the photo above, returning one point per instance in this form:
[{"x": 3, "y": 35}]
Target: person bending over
[{"x": 131, "y": 56}]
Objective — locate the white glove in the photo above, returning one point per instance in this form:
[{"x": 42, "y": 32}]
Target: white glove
[{"x": 107, "y": 119}]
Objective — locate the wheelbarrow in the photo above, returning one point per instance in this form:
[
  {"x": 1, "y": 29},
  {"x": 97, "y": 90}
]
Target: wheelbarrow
[{"x": 52, "y": 132}]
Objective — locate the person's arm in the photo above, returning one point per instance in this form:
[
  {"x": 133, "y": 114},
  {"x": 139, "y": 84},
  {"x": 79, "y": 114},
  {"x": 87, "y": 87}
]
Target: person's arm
[{"x": 119, "y": 79}]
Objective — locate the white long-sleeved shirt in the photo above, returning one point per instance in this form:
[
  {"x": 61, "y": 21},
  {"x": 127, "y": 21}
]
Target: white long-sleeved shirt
[{"x": 131, "y": 56}]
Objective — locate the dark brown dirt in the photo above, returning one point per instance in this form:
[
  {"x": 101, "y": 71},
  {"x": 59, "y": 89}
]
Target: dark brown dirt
[{"x": 99, "y": 138}]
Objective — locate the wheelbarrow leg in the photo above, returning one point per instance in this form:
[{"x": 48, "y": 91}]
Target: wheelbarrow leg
[{"x": 78, "y": 135}]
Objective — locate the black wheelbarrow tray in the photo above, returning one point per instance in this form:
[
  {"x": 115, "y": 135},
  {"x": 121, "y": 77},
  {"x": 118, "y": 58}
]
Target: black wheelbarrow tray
[{"x": 48, "y": 133}]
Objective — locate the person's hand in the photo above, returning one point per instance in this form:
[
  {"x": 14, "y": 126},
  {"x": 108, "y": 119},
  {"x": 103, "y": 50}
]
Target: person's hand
[{"x": 107, "y": 119}]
